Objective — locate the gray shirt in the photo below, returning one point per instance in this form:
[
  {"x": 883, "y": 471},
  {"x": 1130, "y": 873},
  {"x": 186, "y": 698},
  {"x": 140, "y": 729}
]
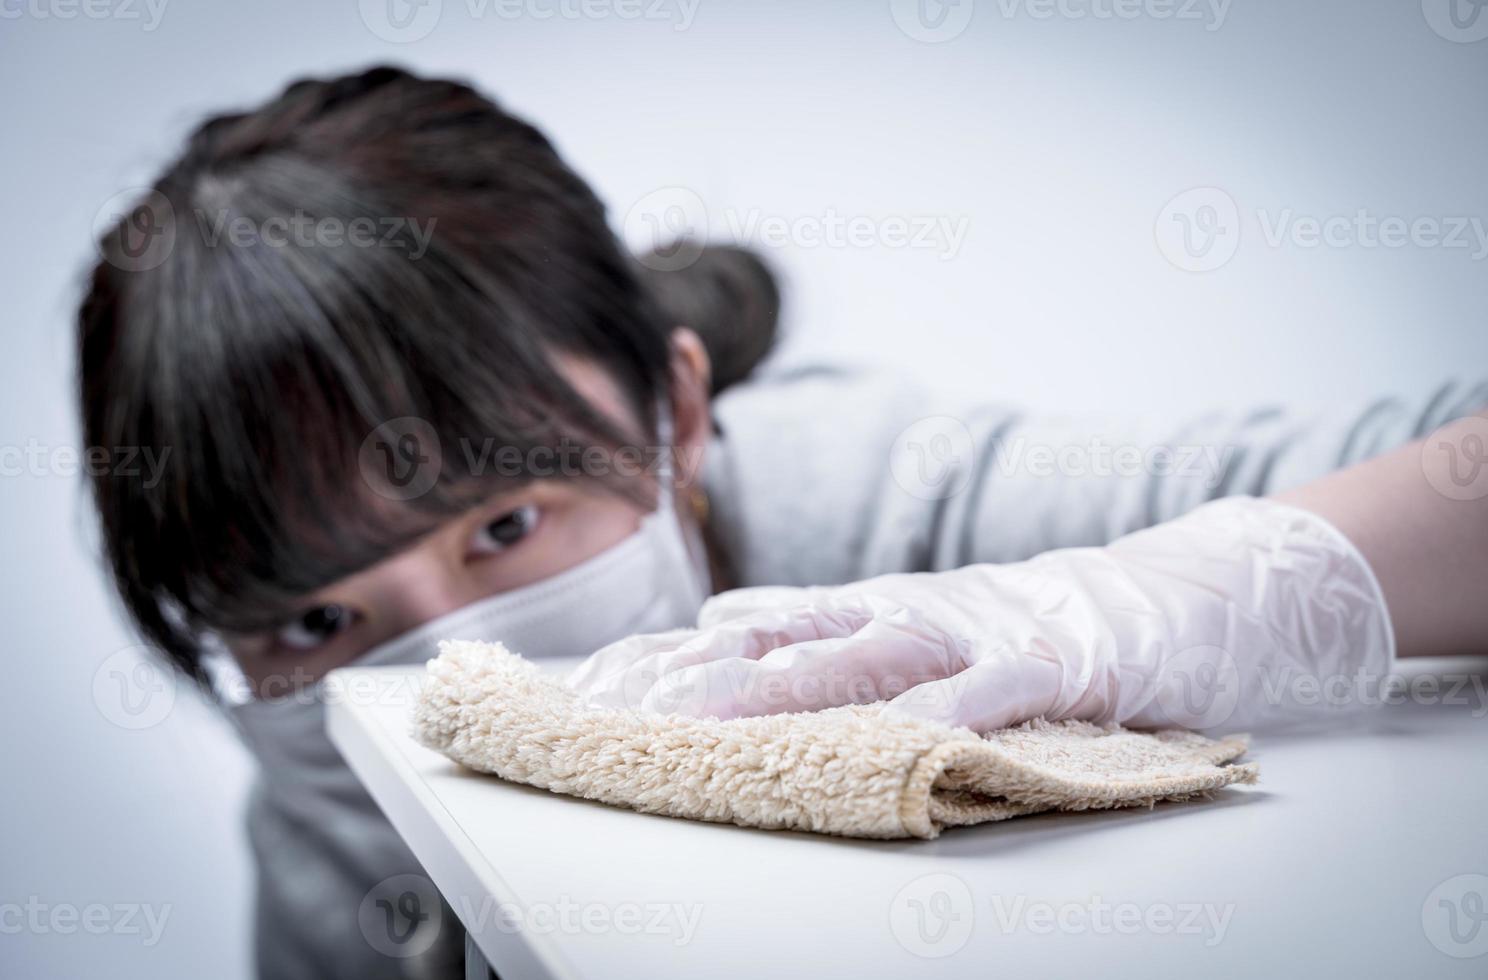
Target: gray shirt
[{"x": 822, "y": 476}]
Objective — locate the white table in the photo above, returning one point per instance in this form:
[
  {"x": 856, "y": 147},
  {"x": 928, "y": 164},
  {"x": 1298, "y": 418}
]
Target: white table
[{"x": 1338, "y": 864}]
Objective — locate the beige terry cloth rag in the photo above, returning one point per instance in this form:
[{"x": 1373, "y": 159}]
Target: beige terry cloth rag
[{"x": 857, "y": 771}]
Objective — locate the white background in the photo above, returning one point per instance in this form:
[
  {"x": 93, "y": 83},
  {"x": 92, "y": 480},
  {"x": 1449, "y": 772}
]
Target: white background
[{"x": 1058, "y": 141}]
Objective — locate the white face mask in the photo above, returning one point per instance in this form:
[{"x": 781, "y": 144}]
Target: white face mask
[
  {"x": 321, "y": 842},
  {"x": 653, "y": 580}
]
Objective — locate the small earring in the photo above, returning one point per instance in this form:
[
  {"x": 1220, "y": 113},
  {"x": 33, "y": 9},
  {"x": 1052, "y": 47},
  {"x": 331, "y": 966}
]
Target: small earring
[{"x": 697, "y": 499}]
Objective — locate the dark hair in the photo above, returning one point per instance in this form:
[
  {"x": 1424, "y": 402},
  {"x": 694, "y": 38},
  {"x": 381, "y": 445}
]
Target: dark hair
[
  {"x": 729, "y": 296},
  {"x": 262, "y": 365}
]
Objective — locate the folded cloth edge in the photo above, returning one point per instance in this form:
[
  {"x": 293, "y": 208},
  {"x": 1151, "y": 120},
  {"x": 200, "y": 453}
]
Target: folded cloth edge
[
  {"x": 957, "y": 773},
  {"x": 856, "y": 771}
]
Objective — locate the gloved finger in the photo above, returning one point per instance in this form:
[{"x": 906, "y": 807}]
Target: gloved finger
[
  {"x": 738, "y": 603},
  {"x": 735, "y": 604},
  {"x": 640, "y": 663},
  {"x": 995, "y": 692},
  {"x": 617, "y": 656},
  {"x": 884, "y": 657}
]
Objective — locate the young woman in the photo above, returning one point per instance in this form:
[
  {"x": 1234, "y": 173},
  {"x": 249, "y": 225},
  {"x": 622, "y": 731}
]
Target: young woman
[{"x": 412, "y": 388}]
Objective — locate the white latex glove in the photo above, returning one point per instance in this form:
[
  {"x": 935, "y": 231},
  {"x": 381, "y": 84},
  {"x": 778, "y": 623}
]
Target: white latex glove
[{"x": 1237, "y": 615}]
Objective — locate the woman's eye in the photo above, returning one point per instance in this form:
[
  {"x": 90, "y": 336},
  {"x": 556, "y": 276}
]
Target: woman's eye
[
  {"x": 315, "y": 627},
  {"x": 505, "y": 531}
]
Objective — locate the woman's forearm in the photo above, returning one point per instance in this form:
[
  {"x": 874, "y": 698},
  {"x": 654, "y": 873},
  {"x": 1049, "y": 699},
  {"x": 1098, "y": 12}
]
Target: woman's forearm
[
  {"x": 1240, "y": 614},
  {"x": 1419, "y": 515}
]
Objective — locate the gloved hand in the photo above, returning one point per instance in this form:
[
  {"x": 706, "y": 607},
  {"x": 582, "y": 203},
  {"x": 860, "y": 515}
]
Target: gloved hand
[{"x": 1213, "y": 621}]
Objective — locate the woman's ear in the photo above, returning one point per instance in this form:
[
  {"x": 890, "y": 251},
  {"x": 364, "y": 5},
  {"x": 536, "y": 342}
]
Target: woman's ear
[{"x": 692, "y": 373}]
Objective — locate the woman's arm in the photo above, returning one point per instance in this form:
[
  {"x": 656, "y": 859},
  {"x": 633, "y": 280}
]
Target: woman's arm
[
  {"x": 1419, "y": 515},
  {"x": 1247, "y": 612}
]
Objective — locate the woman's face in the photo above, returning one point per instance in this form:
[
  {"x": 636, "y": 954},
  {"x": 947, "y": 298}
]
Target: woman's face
[{"x": 509, "y": 541}]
